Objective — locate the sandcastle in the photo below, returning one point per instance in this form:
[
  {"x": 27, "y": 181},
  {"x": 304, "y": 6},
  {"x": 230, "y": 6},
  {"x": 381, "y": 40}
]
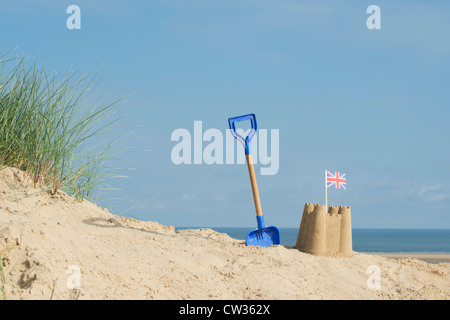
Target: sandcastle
[{"x": 325, "y": 233}]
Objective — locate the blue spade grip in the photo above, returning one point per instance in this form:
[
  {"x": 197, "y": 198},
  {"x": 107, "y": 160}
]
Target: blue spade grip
[{"x": 245, "y": 141}]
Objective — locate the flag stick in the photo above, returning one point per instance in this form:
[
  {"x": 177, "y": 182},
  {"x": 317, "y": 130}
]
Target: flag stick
[{"x": 326, "y": 195}]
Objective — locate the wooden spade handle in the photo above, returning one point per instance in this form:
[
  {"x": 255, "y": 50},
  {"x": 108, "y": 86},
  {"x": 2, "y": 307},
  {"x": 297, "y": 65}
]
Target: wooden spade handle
[{"x": 251, "y": 172}]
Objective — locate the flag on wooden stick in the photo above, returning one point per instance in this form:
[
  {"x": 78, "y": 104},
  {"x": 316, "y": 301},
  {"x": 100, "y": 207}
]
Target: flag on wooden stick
[{"x": 334, "y": 180}]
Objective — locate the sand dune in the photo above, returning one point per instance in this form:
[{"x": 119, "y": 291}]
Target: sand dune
[{"x": 53, "y": 246}]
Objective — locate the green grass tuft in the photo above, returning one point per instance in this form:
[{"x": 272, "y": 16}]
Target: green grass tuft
[
  {"x": 52, "y": 127},
  {"x": 2, "y": 281}
]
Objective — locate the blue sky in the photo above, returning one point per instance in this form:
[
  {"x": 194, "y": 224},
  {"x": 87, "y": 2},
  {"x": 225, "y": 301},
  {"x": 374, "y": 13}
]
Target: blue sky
[{"x": 371, "y": 103}]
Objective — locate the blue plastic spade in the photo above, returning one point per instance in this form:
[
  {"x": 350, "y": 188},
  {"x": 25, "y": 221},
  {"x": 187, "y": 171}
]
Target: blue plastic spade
[{"x": 263, "y": 236}]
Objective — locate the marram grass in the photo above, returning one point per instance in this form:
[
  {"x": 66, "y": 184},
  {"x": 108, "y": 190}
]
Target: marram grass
[{"x": 53, "y": 128}]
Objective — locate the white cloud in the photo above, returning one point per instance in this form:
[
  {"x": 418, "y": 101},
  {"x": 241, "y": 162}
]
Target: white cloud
[
  {"x": 436, "y": 193},
  {"x": 188, "y": 197}
]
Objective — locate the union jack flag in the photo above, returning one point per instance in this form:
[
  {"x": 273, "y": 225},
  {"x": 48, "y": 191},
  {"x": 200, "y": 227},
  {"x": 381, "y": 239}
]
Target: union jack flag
[{"x": 336, "y": 180}]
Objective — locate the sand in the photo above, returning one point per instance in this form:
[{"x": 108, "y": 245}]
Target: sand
[
  {"x": 425, "y": 256},
  {"x": 55, "y": 247}
]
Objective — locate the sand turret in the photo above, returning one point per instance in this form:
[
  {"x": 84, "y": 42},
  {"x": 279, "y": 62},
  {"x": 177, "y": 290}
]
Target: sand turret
[{"x": 325, "y": 233}]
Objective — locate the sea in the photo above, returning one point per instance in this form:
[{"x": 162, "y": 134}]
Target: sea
[{"x": 369, "y": 240}]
